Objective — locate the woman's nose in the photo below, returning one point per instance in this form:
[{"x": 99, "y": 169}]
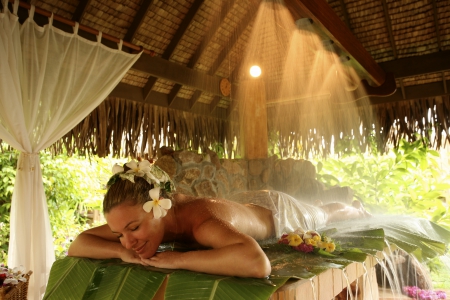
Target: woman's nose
[{"x": 128, "y": 241}]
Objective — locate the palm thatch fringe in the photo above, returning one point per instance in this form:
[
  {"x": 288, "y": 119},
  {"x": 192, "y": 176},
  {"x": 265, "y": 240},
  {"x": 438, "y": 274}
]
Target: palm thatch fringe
[
  {"x": 410, "y": 120},
  {"x": 305, "y": 134},
  {"x": 119, "y": 127}
]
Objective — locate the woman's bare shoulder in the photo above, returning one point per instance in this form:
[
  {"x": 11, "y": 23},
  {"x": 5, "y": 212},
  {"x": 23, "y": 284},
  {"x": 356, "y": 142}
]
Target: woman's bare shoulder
[
  {"x": 200, "y": 209},
  {"x": 186, "y": 200}
]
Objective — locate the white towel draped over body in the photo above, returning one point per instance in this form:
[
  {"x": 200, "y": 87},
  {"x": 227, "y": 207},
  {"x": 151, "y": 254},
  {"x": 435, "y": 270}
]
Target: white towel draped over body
[{"x": 288, "y": 213}]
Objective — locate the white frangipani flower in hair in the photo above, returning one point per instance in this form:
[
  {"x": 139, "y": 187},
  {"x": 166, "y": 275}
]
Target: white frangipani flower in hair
[
  {"x": 117, "y": 169},
  {"x": 139, "y": 168},
  {"x": 159, "y": 206}
]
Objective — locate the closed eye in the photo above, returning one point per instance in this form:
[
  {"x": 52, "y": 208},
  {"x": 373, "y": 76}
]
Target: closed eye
[{"x": 135, "y": 228}]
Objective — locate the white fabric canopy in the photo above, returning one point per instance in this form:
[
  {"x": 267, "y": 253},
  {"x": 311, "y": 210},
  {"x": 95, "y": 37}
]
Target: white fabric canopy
[{"x": 50, "y": 80}]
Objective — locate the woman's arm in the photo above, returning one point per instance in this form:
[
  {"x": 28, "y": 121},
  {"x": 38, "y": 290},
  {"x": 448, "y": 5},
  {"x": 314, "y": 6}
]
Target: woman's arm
[
  {"x": 101, "y": 243},
  {"x": 232, "y": 253}
]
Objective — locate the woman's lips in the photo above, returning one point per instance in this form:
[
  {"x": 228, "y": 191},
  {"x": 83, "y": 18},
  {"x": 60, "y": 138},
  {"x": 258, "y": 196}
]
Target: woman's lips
[{"x": 140, "y": 249}]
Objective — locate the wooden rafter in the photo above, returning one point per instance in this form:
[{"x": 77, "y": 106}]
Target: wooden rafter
[
  {"x": 134, "y": 93},
  {"x": 345, "y": 13},
  {"x": 389, "y": 28},
  {"x": 158, "y": 67},
  {"x": 80, "y": 11},
  {"x": 182, "y": 29},
  {"x": 423, "y": 91},
  {"x": 322, "y": 15},
  {"x": 225, "y": 51},
  {"x": 225, "y": 9},
  {"x": 436, "y": 24},
  {"x": 245, "y": 22},
  {"x": 214, "y": 103},
  {"x": 137, "y": 21},
  {"x": 415, "y": 66},
  {"x": 171, "y": 48}
]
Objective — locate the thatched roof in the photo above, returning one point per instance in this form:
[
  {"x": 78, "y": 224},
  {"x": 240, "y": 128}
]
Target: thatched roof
[{"x": 172, "y": 92}]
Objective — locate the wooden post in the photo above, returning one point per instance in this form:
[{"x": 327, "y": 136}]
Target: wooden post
[{"x": 253, "y": 119}]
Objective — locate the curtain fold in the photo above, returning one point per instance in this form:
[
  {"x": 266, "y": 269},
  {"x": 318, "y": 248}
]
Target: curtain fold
[{"x": 50, "y": 81}]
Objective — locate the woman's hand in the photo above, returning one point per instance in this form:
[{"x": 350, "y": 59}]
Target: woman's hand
[
  {"x": 130, "y": 256},
  {"x": 164, "y": 260}
]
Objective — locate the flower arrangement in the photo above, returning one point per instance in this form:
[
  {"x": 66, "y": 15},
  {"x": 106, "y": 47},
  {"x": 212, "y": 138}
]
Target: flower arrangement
[
  {"x": 307, "y": 241},
  {"x": 417, "y": 293},
  {"x": 151, "y": 173},
  {"x": 9, "y": 277},
  {"x": 154, "y": 176}
]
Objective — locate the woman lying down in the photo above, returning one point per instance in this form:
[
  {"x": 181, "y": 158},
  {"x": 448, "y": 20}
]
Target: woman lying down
[{"x": 142, "y": 212}]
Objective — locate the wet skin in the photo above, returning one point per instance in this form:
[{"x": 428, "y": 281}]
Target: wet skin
[
  {"x": 224, "y": 231},
  {"x": 227, "y": 231},
  {"x": 140, "y": 232}
]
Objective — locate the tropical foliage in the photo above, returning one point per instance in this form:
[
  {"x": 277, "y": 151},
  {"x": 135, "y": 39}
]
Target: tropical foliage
[
  {"x": 8, "y": 162},
  {"x": 73, "y": 187},
  {"x": 409, "y": 179}
]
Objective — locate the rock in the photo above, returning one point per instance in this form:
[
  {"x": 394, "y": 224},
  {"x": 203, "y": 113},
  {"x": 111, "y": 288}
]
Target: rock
[
  {"x": 205, "y": 188},
  {"x": 188, "y": 157},
  {"x": 168, "y": 164}
]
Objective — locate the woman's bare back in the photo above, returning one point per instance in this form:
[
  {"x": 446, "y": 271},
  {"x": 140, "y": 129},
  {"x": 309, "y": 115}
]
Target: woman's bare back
[{"x": 249, "y": 219}]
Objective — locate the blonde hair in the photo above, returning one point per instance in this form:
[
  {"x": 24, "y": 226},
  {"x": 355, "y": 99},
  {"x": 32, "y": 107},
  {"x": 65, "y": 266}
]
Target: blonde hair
[{"x": 125, "y": 191}]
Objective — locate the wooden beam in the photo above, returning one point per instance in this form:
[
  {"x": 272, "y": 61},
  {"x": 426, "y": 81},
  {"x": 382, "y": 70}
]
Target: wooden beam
[
  {"x": 135, "y": 93},
  {"x": 137, "y": 20},
  {"x": 214, "y": 102},
  {"x": 182, "y": 28},
  {"x": 322, "y": 14},
  {"x": 364, "y": 90},
  {"x": 444, "y": 81},
  {"x": 173, "y": 93},
  {"x": 436, "y": 24},
  {"x": 241, "y": 27},
  {"x": 244, "y": 23},
  {"x": 428, "y": 90},
  {"x": 224, "y": 10},
  {"x": 158, "y": 67},
  {"x": 131, "y": 33},
  {"x": 173, "y": 44},
  {"x": 389, "y": 27},
  {"x": 418, "y": 65},
  {"x": 80, "y": 11},
  {"x": 197, "y": 94},
  {"x": 345, "y": 13}
]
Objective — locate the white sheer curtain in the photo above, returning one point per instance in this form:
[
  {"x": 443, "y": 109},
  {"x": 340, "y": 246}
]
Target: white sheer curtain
[{"x": 49, "y": 81}]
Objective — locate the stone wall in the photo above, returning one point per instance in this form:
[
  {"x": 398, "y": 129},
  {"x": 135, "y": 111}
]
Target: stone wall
[{"x": 206, "y": 175}]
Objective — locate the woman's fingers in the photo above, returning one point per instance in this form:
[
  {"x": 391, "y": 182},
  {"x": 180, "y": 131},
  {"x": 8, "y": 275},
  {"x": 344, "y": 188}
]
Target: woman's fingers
[{"x": 161, "y": 260}]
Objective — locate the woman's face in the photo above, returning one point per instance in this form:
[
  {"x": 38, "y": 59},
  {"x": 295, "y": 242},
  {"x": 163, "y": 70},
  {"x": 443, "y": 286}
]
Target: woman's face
[{"x": 136, "y": 229}]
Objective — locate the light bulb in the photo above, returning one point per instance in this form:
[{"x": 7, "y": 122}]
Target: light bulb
[{"x": 255, "y": 71}]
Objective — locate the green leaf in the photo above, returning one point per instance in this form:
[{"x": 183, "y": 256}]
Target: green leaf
[
  {"x": 83, "y": 279},
  {"x": 100, "y": 279},
  {"x": 191, "y": 285},
  {"x": 330, "y": 179},
  {"x": 433, "y": 152}
]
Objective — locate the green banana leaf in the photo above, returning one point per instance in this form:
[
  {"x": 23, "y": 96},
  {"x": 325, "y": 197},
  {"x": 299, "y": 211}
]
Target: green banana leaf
[
  {"x": 81, "y": 278},
  {"x": 419, "y": 237},
  {"x": 351, "y": 247}
]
